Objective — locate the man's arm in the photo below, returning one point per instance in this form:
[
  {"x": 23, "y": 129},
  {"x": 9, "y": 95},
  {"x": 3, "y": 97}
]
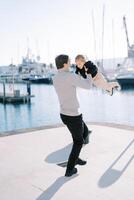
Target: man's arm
[{"x": 78, "y": 81}]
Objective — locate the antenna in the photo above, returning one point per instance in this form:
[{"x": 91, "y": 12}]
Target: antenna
[
  {"x": 28, "y": 49},
  {"x": 11, "y": 60},
  {"x": 48, "y": 51},
  {"x": 18, "y": 52},
  {"x": 37, "y": 49}
]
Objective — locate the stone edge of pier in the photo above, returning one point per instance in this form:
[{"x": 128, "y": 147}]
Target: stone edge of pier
[{"x": 26, "y": 130}]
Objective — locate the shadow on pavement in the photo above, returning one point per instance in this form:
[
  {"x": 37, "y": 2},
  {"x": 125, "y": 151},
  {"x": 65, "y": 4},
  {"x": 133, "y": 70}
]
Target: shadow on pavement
[
  {"x": 60, "y": 155},
  {"x": 54, "y": 188},
  {"x": 112, "y": 175}
]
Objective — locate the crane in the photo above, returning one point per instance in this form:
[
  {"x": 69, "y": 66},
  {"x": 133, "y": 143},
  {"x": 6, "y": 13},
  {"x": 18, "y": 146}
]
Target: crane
[
  {"x": 129, "y": 47},
  {"x": 125, "y": 26}
]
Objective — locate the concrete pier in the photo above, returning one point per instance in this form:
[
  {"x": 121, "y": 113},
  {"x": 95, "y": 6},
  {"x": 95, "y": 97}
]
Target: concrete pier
[{"x": 29, "y": 170}]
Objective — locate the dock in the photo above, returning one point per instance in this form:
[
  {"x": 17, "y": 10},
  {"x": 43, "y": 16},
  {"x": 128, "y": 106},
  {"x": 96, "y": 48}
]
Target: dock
[
  {"x": 11, "y": 98},
  {"x": 15, "y": 96},
  {"x": 29, "y": 167}
]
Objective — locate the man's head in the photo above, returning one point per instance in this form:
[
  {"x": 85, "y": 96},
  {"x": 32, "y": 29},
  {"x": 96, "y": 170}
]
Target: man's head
[
  {"x": 62, "y": 61},
  {"x": 80, "y": 61}
]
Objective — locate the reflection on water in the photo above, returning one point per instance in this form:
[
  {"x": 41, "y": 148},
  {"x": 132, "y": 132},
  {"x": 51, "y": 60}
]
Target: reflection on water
[{"x": 44, "y": 108}]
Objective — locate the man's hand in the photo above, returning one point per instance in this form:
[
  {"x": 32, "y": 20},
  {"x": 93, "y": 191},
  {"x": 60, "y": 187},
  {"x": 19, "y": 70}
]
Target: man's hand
[{"x": 111, "y": 86}]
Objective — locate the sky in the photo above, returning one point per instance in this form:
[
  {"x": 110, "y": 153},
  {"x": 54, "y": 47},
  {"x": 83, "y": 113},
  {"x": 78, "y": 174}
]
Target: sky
[{"x": 52, "y": 27}]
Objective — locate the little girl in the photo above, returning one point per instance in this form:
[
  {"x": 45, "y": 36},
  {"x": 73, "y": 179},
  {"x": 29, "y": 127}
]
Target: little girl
[{"x": 84, "y": 68}]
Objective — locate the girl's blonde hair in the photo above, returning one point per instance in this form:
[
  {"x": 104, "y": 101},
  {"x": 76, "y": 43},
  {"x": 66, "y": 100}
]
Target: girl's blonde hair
[{"x": 78, "y": 57}]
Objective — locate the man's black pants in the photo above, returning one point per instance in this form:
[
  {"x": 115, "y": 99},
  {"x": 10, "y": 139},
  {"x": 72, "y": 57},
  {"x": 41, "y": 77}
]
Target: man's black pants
[{"x": 79, "y": 132}]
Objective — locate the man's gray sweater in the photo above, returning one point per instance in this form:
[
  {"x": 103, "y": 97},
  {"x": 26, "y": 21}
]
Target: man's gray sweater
[{"x": 65, "y": 84}]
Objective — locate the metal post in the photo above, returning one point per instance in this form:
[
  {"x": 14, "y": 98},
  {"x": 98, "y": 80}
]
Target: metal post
[
  {"x": 29, "y": 91},
  {"x": 29, "y": 88},
  {"x": 4, "y": 92}
]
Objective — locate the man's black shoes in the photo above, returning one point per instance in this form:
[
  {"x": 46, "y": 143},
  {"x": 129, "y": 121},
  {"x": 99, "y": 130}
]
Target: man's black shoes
[
  {"x": 81, "y": 162},
  {"x": 71, "y": 172}
]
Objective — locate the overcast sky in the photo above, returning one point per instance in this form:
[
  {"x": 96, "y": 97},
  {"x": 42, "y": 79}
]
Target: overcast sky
[{"x": 58, "y": 26}]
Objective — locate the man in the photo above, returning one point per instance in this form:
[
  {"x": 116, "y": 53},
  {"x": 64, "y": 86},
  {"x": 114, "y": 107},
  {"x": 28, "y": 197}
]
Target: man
[{"x": 65, "y": 84}]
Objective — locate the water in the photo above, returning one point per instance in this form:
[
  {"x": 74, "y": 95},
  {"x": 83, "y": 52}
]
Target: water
[{"x": 96, "y": 106}]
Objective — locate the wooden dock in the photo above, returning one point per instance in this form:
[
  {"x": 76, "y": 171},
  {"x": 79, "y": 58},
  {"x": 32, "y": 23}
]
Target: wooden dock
[
  {"x": 11, "y": 98},
  {"x": 15, "y": 96}
]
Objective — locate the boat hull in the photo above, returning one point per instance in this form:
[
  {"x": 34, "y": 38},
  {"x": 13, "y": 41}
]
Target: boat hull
[
  {"x": 126, "y": 82},
  {"x": 39, "y": 81}
]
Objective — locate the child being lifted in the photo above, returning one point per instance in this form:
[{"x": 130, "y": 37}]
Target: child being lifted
[{"x": 84, "y": 68}]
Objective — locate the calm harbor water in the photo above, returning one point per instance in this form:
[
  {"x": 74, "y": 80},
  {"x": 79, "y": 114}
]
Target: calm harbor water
[{"x": 96, "y": 106}]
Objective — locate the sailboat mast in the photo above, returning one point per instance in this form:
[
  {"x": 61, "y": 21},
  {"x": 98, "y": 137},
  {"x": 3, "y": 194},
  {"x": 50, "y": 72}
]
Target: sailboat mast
[
  {"x": 94, "y": 35},
  {"x": 113, "y": 42},
  {"x": 103, "y": 16}
]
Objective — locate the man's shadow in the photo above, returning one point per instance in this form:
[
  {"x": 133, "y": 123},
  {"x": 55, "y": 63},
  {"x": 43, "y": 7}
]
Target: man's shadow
[
  {"x": 56, "y": 157},
  {"x": 61, "y": 155},
  {"x": 53, "y": 189},
  {"x": 112, "y": 175}
]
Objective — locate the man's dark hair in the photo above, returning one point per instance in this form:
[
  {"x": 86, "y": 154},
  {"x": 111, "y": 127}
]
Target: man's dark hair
[{"x": 61, "y": 60}]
